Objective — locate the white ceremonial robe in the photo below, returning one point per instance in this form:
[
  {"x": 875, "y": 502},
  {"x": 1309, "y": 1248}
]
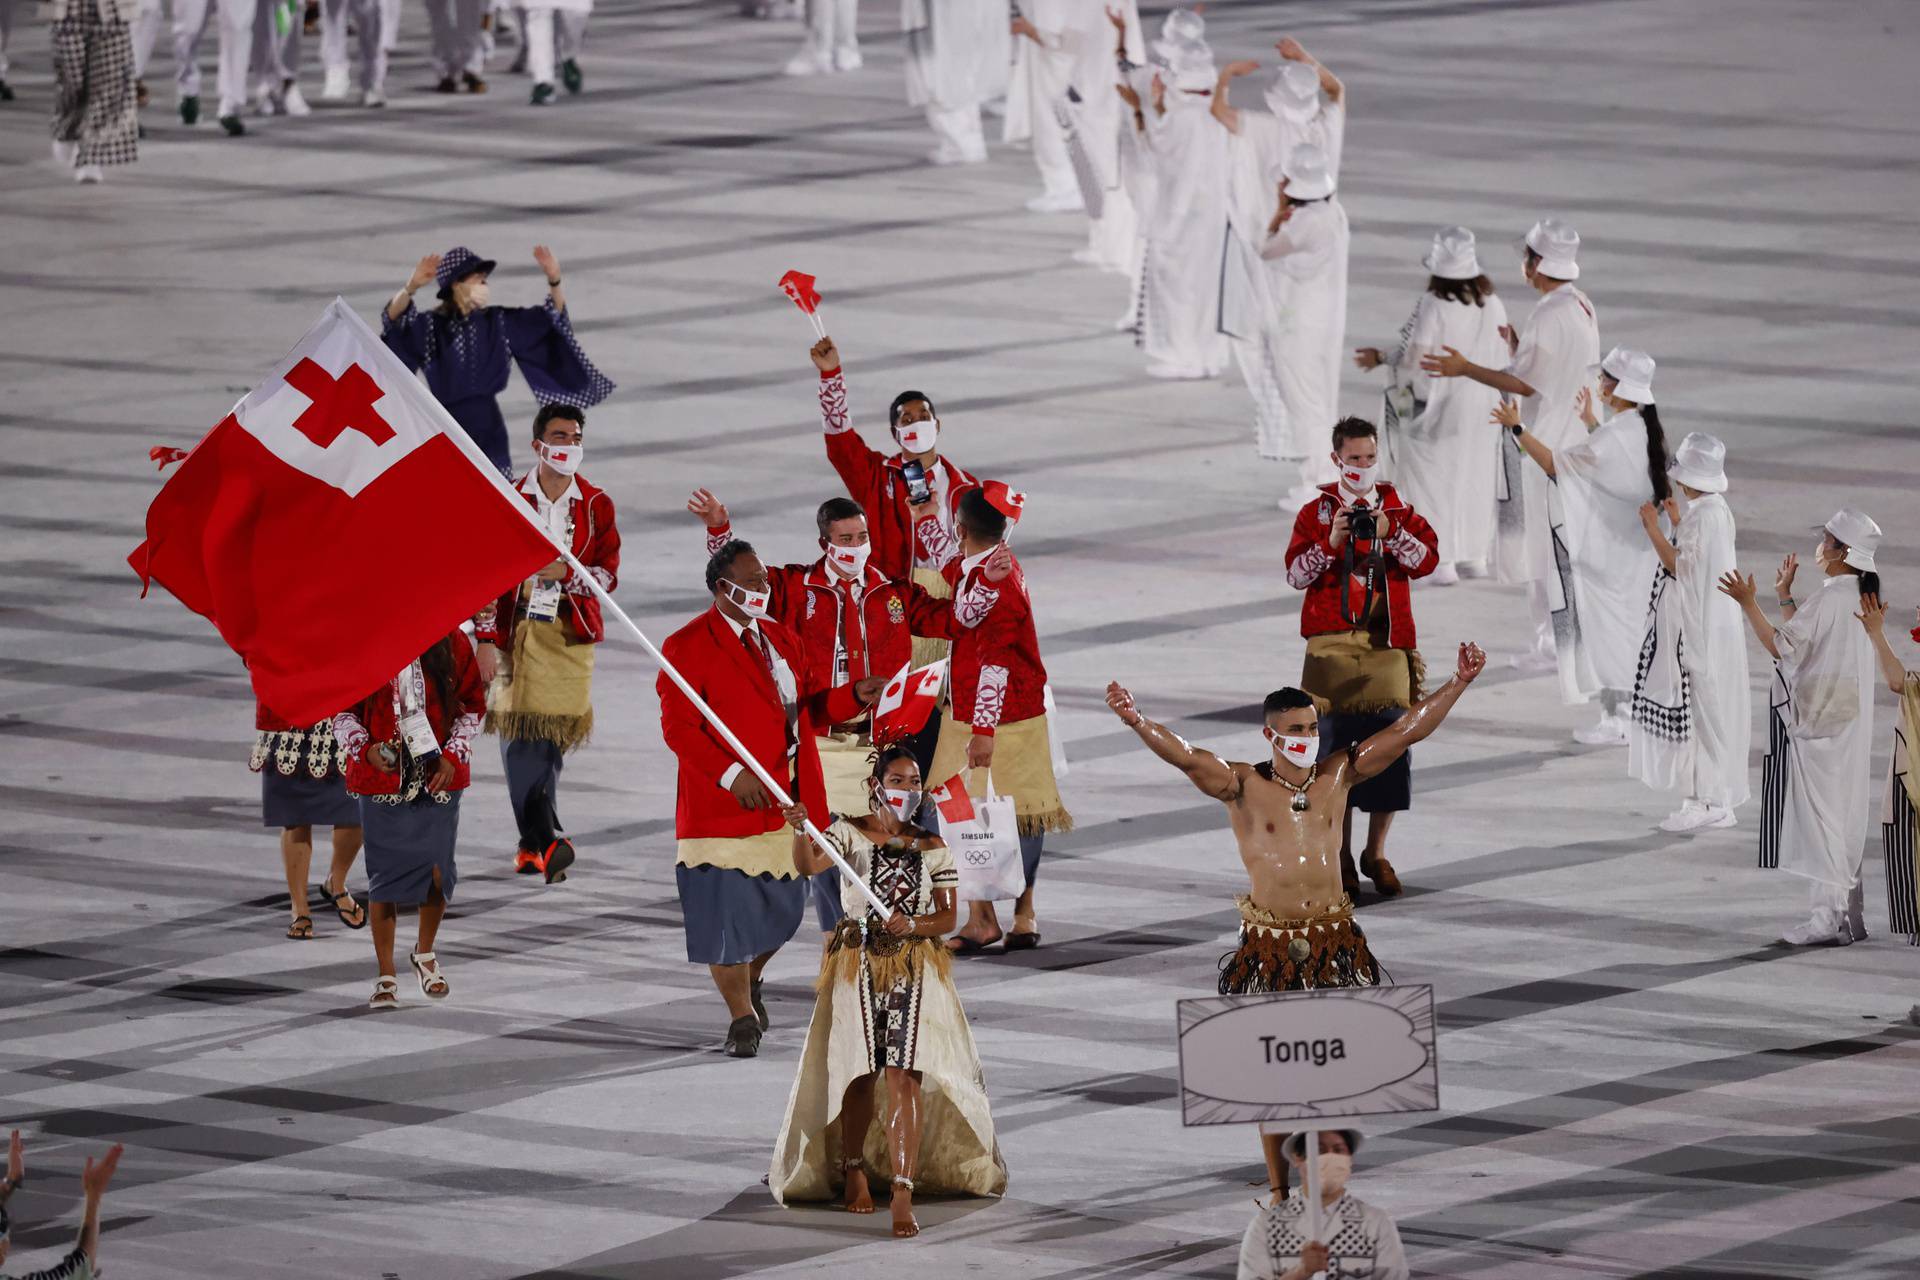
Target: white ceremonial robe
[
  {"x": 1692, "y": 712},
  {"x": 1307, "y": 272},
  {"x": 1104, "y": 120},
  {"x": 1443, "y": 453},
  {"x": 1041, "y": 73},
  {"x": 1184, "y": 236},
  {"x": 957, "y": 57},
  {"x": 1599, "y": 487},
  {"x": 1559, "y": 345},
  {"x": 1819, "y": 741}
]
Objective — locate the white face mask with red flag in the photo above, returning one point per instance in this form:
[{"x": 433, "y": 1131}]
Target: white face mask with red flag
[
  {"x": 917, "y": 437},
  {"x": 1300, "y": 751},
  {"x": 1358, "y": 479},
  {"x": 902, "y": 804},
  {"x": 563, "y": 458},
  {"x": 851, "y": 562}
]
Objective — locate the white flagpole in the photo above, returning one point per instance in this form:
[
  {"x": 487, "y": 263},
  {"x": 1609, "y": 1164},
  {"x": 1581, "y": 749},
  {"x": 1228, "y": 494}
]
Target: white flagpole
[
  {"x": 400, "y": 380},
  {"x": 746, "y": 757},
  {"x": 1310, "y": 1147}
]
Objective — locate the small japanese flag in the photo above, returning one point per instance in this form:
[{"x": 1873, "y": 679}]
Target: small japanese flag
[
  {"x": 952, "y": 800},
  {"x": 907, "y": 702}
]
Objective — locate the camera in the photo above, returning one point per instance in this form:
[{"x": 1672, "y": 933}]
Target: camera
[
  {"x": 1361, "y": 524},
  {"x": 918, "y": 490}
]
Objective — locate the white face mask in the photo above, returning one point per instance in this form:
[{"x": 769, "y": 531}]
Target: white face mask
[
  {"x": 752, "y": 603},
  {"x": 476, "y": 295},
  {"x": 849, "y": 562},
  {"x": 1335, "y": 1169},
  {"x": 1358, "y": 479},
  {"x": 917, "y": 437},
  {"x": 563, "y": 458},
  {"x": 1294, "y": 750},
  {"x": 902, "y": 804}
]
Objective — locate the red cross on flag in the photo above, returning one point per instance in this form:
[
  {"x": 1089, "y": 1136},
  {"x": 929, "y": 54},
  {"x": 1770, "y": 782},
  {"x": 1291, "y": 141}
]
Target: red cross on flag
[
  {"x": 799, "y": 286},
  {"x": 907, "y": 701},
  {"x": 336, "y": 523},
  {"x": 1010, "y": 502},
  {"x": 950, "y": 798}
]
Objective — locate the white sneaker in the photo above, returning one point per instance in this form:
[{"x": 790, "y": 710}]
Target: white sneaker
[
  {"x": 1056, "y": 202},
  {"x": 1086, "y": 257},
  {"x": 1718, "y": 817},
  {"x": 804, "y": 63},
  {"x": 1817, "y": 933},
  {"x": 1688, "y": 817},
  {"x": 944, "y": 155},
  {"x": 1174, "y": 372},
  {"x": 1444, "y": 576},
  {"x": 1474, "y": 569},
  {"x": 294, "y": 103},
  {"x": 65, "y": 153},
  {"x": 335, "y": 87},
  {"x": 847, "y": 58},
  {"x": 373, "y": 98},
  {"x": 1608, "y": 731},
  {"x": 91, "y": 173},
  {"x": 1533, "y": 660}
]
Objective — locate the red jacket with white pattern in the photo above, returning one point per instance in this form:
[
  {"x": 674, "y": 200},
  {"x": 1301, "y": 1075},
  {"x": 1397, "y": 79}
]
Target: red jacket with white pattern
[
  {"x": 808, "y": 600},
  {"x": 874, "y": 481},
  {"x": 596, "y": 544},
  {"x": 997, "y": 675},
  {"x": 376, "y": 720},
  {"x": 1315, "y": 567}
]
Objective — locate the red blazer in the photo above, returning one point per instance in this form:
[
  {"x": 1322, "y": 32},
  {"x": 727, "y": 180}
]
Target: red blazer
[
  {"x": 1313, "y": 566},
  {"x": 807, "y": 602},
  {"x": 874, "y": 481},
  {"x": 596, "y": 544},
  {"x": 373, "y": 721},
  {"x": 997, "y": 675},
  {"x": 737, "y": 686}
]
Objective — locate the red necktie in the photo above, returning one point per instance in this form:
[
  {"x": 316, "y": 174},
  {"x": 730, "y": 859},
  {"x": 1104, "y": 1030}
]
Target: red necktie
[{"x": 757, "y": 646}]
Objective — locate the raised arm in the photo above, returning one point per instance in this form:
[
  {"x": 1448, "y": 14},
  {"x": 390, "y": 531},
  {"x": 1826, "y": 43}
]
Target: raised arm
[
  {"x": 1330, "y": 84},
  {"x": 549, "y": 264},
  {"x": 1507, "y": 414},
  {"x": 1208, "y": 772},
  {"x": 422, "y": 273},
  {"x": 1650, "y": 521},
  {"x": 1383, "y": 748},
  {"x": 1226, "y": 115},
  {"x": 1873, "y": 615},
  {"x": 1747, "y": 596}
]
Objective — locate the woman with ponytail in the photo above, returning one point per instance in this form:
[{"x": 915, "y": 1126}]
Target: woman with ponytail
[
  {"x": 1608, "y": 569},
  {"x": 1814, "y": 784},
  {"x": 889, "y": 1081}
]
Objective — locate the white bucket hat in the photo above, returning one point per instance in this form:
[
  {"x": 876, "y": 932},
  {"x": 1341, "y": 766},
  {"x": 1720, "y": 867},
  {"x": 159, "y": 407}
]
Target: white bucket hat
[
  {"x": 1453, "y": 255},
  {"x": 1181, "y": 25},
  {"x": 1631, "y": 370},
  {"x": 1558, "y": 245},
  {"x": 1856, "y": 530},
  {"x": 1700, "y": 463},
  {"x": 1192, "y": 66},
  {"x": 1306, "y": 172},
  {"x": 1294, "y": 1142},
  {"x": 1295, "y": 92}
]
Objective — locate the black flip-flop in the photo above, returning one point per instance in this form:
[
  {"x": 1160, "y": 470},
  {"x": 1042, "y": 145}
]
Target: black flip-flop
[
  {"x": 1022, "y": 941},
  {"x": 965, "y": 946},
  {"x": 340, "y": 911}
]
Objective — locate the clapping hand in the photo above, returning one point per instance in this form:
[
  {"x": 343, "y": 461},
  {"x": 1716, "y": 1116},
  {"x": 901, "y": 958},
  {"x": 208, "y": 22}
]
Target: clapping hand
[
  {"x": 712, "y": 512},
  {"x": 1783, "y": 580},
  {"x": 1583, "y": 401},
  {"x": 1741, "y": 589}
]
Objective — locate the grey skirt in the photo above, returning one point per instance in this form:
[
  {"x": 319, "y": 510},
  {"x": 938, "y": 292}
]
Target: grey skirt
[
  {"x": 732, "y": 917},
  {"x": 301, "y": 800},
  {"x": 405, "y": 844}
]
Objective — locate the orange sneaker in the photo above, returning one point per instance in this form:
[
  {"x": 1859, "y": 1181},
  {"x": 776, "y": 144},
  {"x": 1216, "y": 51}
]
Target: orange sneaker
[{"x": 527, "y": 863}]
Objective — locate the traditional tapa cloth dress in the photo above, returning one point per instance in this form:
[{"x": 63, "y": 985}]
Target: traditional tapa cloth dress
[
  {"x": 1297, "y": 955},
  {"x": 887, "y": 1002},
  {"x": 466, "y": 359},
  {"x": 1814, "y": 784},
  {"x": 1900, "y": 817},
  {"x": 93, "y": 104},
  {"x": 1692, "y": 716},
  {"x": 301, "y": 784},
  {"x": 1608, "y": 568},
  {"x": 1440, "y": 454}
]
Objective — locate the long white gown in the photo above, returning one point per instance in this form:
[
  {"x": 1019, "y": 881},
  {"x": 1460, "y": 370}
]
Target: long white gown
[
  {"x": 1307, "y": 272},
  {"x": 957, "y": 57},
  {"x": 1608, "y": 574},
  {"x": 1041, "y": 73},
  {"x": 1816, "y": 784},
  {"x": 1559, "y": 345},
  {"x": 1104, "y": 121},
  {"x": 1692, "y": 716},
  {"x": 1443, "y": 457},
  {"x": 1187, "y": 227}
]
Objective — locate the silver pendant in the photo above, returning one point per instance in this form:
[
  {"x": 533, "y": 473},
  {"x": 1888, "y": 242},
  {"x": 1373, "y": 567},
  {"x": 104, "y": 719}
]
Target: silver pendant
[{"x": 1299, "y": 802}]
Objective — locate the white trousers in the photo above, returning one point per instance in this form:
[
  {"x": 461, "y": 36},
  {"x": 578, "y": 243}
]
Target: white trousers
[
  {"x": 275, "y": 57},
  {"x": 831, "y": 25},
  {"x": 455, "y": 26},
  {"x": 389, "y": 25},
  {"x": 1050, "y": 154},
  {"x": 370, "y": 39},
  {"x": 538, "y": 32},
  {"x": 958, "y": 129},
  {"x": 191, "y": 18}
]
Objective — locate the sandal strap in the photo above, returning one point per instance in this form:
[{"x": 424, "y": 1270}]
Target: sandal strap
[
  {"x": 423, "y": 957},
  {"x": 387, "y": 984}
]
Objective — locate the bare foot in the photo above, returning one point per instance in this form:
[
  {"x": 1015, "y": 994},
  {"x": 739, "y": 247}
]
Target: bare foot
[
  {"x": 904, "y": 1225},
  {"x": 859, "y": 1198}
]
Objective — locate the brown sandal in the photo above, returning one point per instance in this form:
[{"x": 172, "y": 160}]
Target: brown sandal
[{"x": 301, "y": 928}]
